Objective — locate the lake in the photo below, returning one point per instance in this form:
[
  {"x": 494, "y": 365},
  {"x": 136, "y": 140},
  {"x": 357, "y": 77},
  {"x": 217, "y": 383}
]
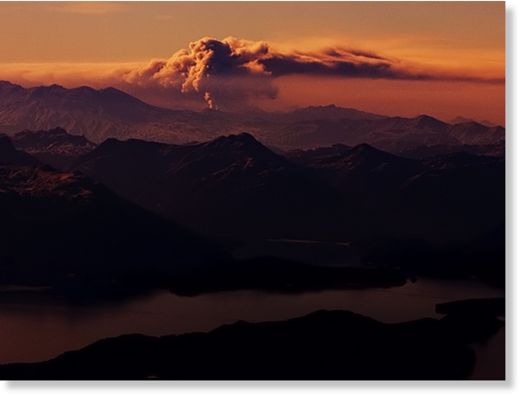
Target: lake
[{"x": 35, "y": 329}]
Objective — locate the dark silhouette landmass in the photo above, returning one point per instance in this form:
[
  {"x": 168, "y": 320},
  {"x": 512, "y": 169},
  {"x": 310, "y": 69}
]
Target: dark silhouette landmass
[
  {"x": 439, "y": 216},
  {"x": 361, "y": 169},
  {"x": 491, "y": 306},
  {"x": 9, "y": 155},
  {"x": 236, "y": 186},
  {"x": 63, "y": 231},
  {"x": 232, "y": 186},
  {"x": 55, "y": 147},
  {"x": 103, "y": 196},
  {"x": 281, "y": 275},
  {"x": 324, "y": 345}
]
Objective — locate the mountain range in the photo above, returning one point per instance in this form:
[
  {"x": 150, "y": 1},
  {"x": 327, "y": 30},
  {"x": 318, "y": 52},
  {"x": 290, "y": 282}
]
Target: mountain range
[
  {"x": 236, "y": 187},
  {"x": 62, "y": 229},
  {"x": 232, "y": 185},
  {"x": 96, "y": 114},
  {"x": 10, "y": 155},
  {"x": 111, "y": 113},
  {"x": 417, "y": 193},
  {"x": 55, "y": 147},
  {"x": 72, "y": 235}
]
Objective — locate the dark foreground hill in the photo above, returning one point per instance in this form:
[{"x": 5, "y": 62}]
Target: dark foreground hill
[
  {"x": 321, "y": 345},
  {"x": 452, "y": 197},
  {"x": 10, "y": 155},
  {"x": 234, "y": 186},
  {"x": 441, "y": 216},
  {"x": 359, "y": 169},
  {"x": 62, "y": 230},
  {"x": 231, "y": 186}
]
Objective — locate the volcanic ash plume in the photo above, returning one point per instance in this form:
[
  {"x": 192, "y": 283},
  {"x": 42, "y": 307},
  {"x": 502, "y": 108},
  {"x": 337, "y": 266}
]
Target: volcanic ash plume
[
  {"x": 209, "y": 101},
  {"x": 234, "y": 72},
  {"x": 229, "y": 65}
]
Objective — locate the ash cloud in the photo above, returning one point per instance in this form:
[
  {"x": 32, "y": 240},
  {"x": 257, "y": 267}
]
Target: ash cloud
[
  {"x": 220, "y": 72},
  {"x": 233, "y": 73}
]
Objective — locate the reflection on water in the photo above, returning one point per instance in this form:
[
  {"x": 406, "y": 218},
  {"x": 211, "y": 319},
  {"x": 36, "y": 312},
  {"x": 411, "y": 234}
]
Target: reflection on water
[{"x": 32, "y": 330}]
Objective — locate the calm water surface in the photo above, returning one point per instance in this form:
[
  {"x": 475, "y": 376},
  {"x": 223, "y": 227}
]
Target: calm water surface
[{"x": 35, "y": 330}]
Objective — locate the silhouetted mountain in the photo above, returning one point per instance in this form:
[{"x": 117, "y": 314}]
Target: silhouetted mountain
[
  {"x": 461, "y": 194},
  {"x": 54, "y": 147},
  {"x": 65, "y": 231},
  {"x": 265, "y": 273},
  {"x": 469, "y": 137},
  {"x": 481, "y": 258},
  {"x": 232, "y": 185},
  {"x": 321, "y": 345},
  {"x": 393, "y": 134},
  {"x": 448, "y": 221},
  {"x": 460, "y": 120},
  {"x": 316, "y": 154},
  {"x": 420, "y": 152},
  {"x": 330, "y": 112},
  {"x": 473, "y": 133},
  {"x": 453, "y": 197},
  {"x": 110, "y": 113},
  {"x": 362, "y": 168},
  {"x": 96, "y": 114},
  {"x": 10, "y": 156},
  {"x": 371, "y": 182},
  {"x": 475, "y": 307},
  {"x": 459, "y": 160}
]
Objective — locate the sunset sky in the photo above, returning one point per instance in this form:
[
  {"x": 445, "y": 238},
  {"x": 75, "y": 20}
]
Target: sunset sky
[{"x": 403, "y": 58}]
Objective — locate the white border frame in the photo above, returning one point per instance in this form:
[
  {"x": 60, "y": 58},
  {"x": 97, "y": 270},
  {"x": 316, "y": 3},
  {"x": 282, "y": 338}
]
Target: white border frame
[{"x": 390, "y": 389}]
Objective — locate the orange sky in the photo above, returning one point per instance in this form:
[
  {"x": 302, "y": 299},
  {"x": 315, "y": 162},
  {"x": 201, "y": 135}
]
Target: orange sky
[{"x": 90, "y": 43}]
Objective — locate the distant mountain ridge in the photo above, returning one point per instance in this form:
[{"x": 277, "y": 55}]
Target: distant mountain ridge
[
  {"x": 332, "y": 112},
  {"x": 55, "y": 147},
  {"x": 460, "y": 120},
  {"x": 96, "y": 114},
  {"x": 111, "y": 113}
]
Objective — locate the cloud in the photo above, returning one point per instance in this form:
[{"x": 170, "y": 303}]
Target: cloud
[
  {"x": 231, "y": 72},
  {"x": 219, "y": 71}
]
